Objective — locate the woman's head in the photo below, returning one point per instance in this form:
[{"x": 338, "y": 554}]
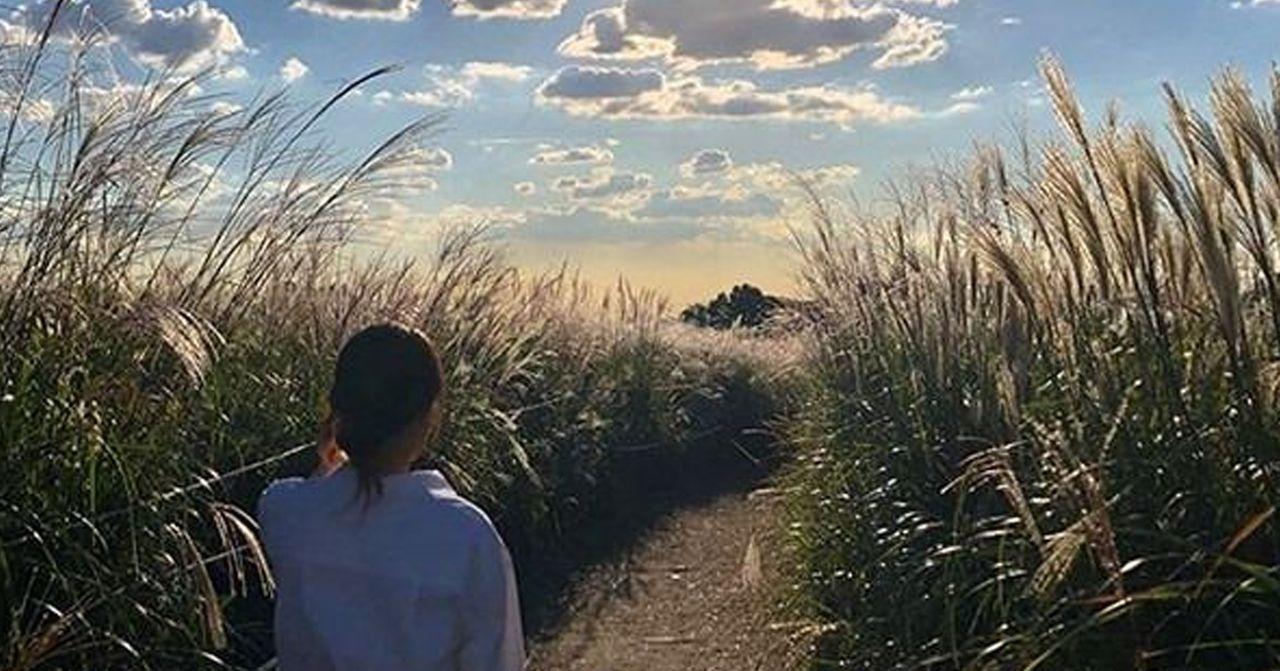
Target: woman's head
[{"x": 385, "y": 392}]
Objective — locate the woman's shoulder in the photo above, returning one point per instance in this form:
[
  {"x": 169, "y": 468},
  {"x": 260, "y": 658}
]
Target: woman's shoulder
[
  {"x": 442, "y": 494},
  {"x": 281, "y": 488},
  {"x": 277, "y": 495}
]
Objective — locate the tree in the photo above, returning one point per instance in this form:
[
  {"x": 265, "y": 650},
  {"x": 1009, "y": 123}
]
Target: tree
[{"x": 745, "y": 306}]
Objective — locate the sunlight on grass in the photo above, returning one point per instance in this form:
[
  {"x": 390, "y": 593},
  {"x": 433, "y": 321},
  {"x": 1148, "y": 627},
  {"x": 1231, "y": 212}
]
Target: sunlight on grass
[
  {"x": 175, "y": 279},
  {"x": 1042, "y": 421}
]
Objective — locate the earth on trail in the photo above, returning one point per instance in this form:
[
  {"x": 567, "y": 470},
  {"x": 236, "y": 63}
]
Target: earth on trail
[{"x": 694, "y": 595}]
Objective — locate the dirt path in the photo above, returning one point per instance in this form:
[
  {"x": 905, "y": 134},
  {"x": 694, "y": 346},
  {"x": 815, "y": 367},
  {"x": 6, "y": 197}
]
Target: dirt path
[{"x": 694, "y": 596}]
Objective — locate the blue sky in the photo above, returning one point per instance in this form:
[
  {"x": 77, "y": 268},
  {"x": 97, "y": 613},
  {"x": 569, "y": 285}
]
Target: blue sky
[{"x": 653, "y": 139}]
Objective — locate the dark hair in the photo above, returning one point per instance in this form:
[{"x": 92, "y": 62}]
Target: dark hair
[{"x": 387, "y": 377}]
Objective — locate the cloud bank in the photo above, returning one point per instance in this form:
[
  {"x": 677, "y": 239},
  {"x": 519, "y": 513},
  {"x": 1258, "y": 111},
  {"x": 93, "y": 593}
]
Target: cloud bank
[
  {"x": 184, "y": 38},
  {"x": 620, "y": 93},
  {"x": 520, "y": 10},
  {"x": 375, "y": 10},
  {"x": 768, "y": 34},
  {"x": 706, "y": 162},
  {"x": 450, "y": 86},
  {"x": 590, "y": 155}
]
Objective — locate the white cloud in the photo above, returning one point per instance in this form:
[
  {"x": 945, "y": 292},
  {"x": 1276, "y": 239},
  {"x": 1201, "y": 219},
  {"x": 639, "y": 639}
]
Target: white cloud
[
  {"x": 508, "y": 9},
  {"x": 403, "y": 10},
  {"x": 606, "y": 190},
  {"x": 766, "y": 198},
  {"x": 774, "y": 177},
  {"x": 604, "y": 184},
  {"x": 748, "y": 202},
  {"x": 1011, "y": 21},
  {"x": 509, "y": 142},
  {"x": 972, "y": 93},
  {"x": 573, "y": 155},
  {"x": 450, "y": 86},
  {"x": 914, "y": 40},
  {"x": 604, "y": 35},
  {"x": 592, "y": 83},
  {"x": 185, "y": 38},
  {"x": 753, "y": 202},
  {"x": 235, "y": 73},
  {"x": 495, "y": 215},
  {"x": 706, "y": 162},
  {"x": 583, "y": 222},
  {"x": 414, "y": 171},
  {"x": 769, "y": 34},
  {"x": 404, "y": 224},
  {"x": 479, "y": 70},
  {"x": 433, "y": 158},
  {"x": 380, "y": 10},
  {"x": 701, "y": 204},
  {"x": 648, "y": 94},
  {"x": 293, "y": 69},
  {"x": 223, "y": 107},
  {"x": 959, "y": 108}
]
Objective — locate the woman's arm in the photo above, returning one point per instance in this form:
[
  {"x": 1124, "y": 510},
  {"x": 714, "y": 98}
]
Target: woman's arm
[{"x": 493, "y": 639}]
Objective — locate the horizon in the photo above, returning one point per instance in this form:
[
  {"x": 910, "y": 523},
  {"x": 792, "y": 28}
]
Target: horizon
[{"x": 656, "y": 140}]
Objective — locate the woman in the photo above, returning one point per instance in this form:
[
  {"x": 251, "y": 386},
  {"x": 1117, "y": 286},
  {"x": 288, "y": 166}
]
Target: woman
[{"x": 380, "y": 567}]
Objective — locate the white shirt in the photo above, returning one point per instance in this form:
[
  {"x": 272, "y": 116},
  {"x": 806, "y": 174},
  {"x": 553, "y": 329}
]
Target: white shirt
[{"x": 418, "y": 580}]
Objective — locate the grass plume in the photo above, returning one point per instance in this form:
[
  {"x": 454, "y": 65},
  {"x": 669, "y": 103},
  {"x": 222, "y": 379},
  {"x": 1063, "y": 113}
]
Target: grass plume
[{"x": 1043, "y": 424}]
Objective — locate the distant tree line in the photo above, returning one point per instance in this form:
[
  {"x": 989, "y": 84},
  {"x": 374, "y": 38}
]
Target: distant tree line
[{"x": 745, "y": 306}]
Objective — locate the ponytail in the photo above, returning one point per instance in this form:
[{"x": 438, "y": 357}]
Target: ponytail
[{"x": 387, "y": 377}]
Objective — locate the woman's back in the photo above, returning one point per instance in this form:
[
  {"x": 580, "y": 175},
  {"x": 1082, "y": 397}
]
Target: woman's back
[{"x": 417, "y": 579}]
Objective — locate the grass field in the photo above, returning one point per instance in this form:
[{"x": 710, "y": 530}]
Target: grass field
[
  {"x": 1036, "y": 425},
  {"x": 1041, "y": 429},
  {"x": 175, "y": 280}
]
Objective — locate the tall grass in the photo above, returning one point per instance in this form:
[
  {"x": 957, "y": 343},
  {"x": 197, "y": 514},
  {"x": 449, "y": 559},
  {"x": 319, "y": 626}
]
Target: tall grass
[
  {"x": 175, "y": 278},
  {"x": 1042, "y": 430}
]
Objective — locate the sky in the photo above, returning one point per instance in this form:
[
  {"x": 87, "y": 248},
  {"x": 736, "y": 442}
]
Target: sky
[{"x": 659, "y": 140}]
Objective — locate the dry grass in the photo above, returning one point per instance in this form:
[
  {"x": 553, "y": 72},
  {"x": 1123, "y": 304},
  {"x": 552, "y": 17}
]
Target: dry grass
[
  {"x": 1044, "y": 403},
  {"x": 174, "y": 281}
]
